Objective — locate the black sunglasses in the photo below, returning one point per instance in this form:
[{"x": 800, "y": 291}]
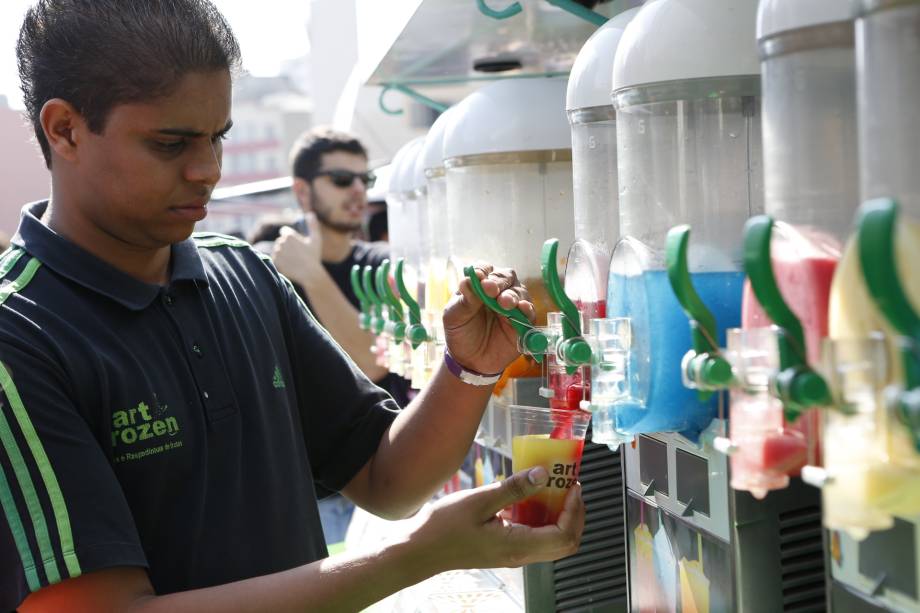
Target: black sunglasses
[{"x": 344, "y": 178}]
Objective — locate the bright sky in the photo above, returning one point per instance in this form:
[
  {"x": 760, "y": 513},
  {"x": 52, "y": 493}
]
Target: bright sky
[{"x": 269, "y": 31}]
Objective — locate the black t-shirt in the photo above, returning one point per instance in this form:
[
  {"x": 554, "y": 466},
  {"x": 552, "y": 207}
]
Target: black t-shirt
[
  {"x": 186, "y": 428},
  {"x": 363, "y": 254}
]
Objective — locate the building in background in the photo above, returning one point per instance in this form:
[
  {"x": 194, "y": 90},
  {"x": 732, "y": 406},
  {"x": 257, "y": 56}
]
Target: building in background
[
  {"x": 324, "y": 87},
  {"x": 338, "y": 92},
  {"x": 269, "y": 113},
  {"x": 23, "y": 175}
]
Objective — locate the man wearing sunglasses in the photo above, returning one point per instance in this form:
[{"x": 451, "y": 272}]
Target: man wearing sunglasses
[
  {"x": 330, "y": 183},
  {"x": 331, "y": 179}
]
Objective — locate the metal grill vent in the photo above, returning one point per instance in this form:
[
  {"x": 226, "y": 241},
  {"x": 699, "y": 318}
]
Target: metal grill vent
[
  {"x": 596, "y": 576},
  {"x": 801, "y": 548}
]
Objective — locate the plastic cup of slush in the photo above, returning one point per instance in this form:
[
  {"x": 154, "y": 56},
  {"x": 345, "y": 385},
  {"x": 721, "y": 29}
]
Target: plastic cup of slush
[{"x": 560, "y": 455}]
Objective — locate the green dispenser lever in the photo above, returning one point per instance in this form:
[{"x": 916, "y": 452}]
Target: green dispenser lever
[
  {"x": 532, "y": 341},
  {"x": 573, "y": 350},
  {"x": 797, "y": 385},
  {"x": 704, "y": 364},
  {"x": 416, "y": 332},
  {"x": 397, "y": 327},
  {"x": 364, "y": 320},
  {"x": 377, "y": 321},
  {"x": 877, "y": 219}
]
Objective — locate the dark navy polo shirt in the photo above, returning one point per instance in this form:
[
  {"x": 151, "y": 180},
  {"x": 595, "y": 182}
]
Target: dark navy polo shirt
[
  {"x": 363, "y": 254},
  {"x": 184, "y": 428}
]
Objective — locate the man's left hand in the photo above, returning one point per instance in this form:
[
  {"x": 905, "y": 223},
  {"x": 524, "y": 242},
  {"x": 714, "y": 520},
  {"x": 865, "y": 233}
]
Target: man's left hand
[{"x": 477, "y": 337}]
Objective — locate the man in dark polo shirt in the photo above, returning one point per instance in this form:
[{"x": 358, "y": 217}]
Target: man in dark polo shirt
[
  {"x": 330, "y": 180},
  {"x": 169, "y": 408},
  {"x": 317, "y": 252}
]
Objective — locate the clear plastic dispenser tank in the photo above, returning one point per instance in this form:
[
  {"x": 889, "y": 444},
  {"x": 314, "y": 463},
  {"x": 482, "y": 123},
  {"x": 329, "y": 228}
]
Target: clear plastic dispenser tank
[
  {"x": 508, "y": 160},
  {"x": 878, "y": 478},
  {"x": 811, "y": 192},
  {"x": 594, "y": 167},
  {"x": 402, "y": 224},
  {"x": 438, "y": 289},
  {"x": 686, "y": 89}
]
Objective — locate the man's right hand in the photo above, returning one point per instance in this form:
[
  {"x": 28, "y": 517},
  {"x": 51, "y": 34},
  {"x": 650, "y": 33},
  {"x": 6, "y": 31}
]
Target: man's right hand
[
  {"x": 299, "y": 257},
  {"x": 466, "y": 530}
]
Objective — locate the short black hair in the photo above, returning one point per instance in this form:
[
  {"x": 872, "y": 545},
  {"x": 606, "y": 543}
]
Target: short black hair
[
  {"x": 307, "y": 152},
  {"x": 97, "y": 54}
]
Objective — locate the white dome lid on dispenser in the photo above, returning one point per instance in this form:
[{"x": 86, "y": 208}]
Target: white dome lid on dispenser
[
  {"x": 511, "y": 115},
  {"x": 433, "y": 154},
  {"x": 775, "y": 16},
  {"x": 415, "y": 176},
  {"x": 395, "y": 163},
  {"x": 590, "y": 81},
  {"x": 677, "y": 40},
  {"x": 404, "y": 166}
]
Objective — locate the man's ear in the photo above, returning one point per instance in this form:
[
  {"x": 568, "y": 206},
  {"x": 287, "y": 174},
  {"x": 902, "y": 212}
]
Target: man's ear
[
  {"x": 62, "y": 125},
  {"x": 304, "y": 194}
]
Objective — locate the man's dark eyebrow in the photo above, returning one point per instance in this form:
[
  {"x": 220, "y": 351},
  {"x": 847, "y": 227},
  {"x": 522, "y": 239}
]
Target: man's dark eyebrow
[{"x": 193, "y": 133}]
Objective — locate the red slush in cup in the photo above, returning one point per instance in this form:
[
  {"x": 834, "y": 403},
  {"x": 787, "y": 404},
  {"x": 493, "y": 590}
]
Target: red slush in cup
[{"x": 537, "y": 440}]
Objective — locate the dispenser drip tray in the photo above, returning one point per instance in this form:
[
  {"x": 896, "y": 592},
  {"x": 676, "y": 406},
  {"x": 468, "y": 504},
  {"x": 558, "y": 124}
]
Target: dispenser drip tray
[
  {"x": 653, "y": 466},
  {"x": 693, "y": 481},
  {"x": 891, "y": 553}
]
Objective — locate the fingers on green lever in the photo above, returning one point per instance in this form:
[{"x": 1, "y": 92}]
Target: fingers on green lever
[{"x": 533, "y": 341}]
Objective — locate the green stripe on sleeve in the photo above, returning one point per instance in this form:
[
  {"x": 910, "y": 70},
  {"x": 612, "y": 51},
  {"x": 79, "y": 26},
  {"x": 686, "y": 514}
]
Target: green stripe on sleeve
[
  {"x": 61, "y": 517},
  {"x": 218, "y": 240},
  {"x": 8, "y": 261},
  {"x": 21, "y": 281},
  {"x": 33, "y": 504},
  {"x": 19, "y": 533}
]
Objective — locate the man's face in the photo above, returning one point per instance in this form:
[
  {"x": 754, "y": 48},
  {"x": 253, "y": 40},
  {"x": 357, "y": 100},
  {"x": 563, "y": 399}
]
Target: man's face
[
  {"x": 149, "y": 175},
  {"x": 340, "y": 208}
]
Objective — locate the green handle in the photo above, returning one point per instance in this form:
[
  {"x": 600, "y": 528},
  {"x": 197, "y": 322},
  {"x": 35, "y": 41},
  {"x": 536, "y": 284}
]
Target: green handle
[
  {"x": 440, "y": 107},
  {"x": 377, "y": 322},
  {"x": 394, "y": 307},
  {"x": 512, "y": 10},
  {"x": 877, "y": 220},
  {"x": 706, "y": 366},
  {"x": 580, "y": 11},
  {"x": 416, "y": 332},
  {"x": 533, "y": 341},
  {"x": 574, "y": 350},
  {"x": 365, "y": 318},
  {"x": 569, "y": 6},
  {"x": 797, "y": 384}
]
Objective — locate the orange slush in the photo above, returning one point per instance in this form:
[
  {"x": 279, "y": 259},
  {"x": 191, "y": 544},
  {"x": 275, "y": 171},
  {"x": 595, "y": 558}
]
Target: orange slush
[{"x": 561, "y": 458}]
